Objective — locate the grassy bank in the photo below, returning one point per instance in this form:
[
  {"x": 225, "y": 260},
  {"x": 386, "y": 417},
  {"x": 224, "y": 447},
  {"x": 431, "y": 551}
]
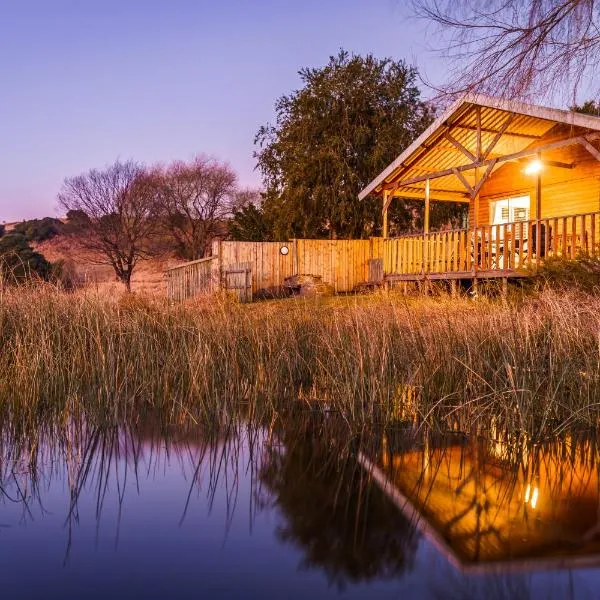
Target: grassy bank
[{"x": 532, "y": 364}]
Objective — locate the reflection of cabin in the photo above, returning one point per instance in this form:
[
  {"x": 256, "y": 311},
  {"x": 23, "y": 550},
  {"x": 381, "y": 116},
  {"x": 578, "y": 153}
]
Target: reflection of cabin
[
  {"x": 530, "y": 176},
  {"x": 482, "y": 508}
]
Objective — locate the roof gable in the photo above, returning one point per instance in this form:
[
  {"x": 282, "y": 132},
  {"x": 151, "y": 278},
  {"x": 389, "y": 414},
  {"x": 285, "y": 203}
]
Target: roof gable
[{"x": 512, "y": 126}]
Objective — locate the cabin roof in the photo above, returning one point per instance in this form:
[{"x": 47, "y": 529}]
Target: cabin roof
[{"x": 506, "y": 126}]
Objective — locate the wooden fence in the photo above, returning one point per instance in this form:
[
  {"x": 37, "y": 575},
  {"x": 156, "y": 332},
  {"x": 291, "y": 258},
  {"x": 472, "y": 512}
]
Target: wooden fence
[
  {"x": 343, "y": 264},
  {"x": 192, "y": 279},
  {"x": 254, "y": 269}
]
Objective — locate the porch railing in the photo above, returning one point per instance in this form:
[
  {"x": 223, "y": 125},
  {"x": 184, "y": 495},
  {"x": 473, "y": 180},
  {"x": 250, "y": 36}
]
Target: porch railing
[{"x": 505, "y": 247}]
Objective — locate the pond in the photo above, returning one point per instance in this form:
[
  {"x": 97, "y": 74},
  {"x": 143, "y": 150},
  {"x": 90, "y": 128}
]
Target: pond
[{"x": 297, "y": 511}]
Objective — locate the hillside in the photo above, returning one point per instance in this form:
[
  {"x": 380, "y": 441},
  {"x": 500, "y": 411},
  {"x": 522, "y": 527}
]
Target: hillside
[{"x": 148, "y": 276}]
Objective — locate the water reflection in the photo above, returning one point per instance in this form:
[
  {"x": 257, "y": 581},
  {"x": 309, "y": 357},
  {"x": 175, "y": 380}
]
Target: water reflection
[
  {"x": 342, "y": 524},
  {"x": 498, "y": 501},
  {"x": 285, "y": 508}
]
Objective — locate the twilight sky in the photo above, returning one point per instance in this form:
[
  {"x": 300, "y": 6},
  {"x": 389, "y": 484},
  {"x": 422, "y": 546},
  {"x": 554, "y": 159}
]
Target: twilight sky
[{"x": 85, "y": 82}]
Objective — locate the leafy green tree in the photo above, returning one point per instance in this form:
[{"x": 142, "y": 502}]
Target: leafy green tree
[
  {"x": 250, "y": 224},
  {"x": 349, "y": 120},
  {"x": 589, "y": 107},
  {"x": 408, "y": 216}
]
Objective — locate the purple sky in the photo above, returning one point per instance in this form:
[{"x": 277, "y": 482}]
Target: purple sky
[{"x": 85, "y": 82}]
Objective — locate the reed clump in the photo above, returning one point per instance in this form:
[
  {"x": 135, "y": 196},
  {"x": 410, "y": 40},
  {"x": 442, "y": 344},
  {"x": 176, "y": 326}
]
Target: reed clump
[{"x": 532, "y": 364}]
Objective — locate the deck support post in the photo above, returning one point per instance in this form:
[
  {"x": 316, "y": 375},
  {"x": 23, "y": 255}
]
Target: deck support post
[
  {"x": 453, "y": 288},
  {"x": 504, "y": 287},
  {"x": 386, "y": 195}
]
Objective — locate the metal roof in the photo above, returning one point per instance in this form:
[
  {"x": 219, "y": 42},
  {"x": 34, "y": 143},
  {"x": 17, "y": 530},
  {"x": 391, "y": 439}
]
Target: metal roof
[{"x": 434, "y": 151}]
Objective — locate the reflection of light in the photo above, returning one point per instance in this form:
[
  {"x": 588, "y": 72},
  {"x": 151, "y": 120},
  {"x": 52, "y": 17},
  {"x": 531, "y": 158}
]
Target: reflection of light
[
  {"x": 534, "y": 167},
  {"x": 531, "y": 498},
  {"x": 534, "y": 498}
]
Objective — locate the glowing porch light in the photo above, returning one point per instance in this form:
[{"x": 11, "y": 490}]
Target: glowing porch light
[{"x": 534, "y": 167}]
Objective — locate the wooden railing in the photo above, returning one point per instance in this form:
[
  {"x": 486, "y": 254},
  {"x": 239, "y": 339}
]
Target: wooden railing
[
  {"x": 192, "y": 279},
  {"x": 507, "y": 247}
]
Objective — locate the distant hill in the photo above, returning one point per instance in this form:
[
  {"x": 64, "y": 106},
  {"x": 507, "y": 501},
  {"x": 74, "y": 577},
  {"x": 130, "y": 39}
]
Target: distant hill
[{"x": 50, "y": 237}]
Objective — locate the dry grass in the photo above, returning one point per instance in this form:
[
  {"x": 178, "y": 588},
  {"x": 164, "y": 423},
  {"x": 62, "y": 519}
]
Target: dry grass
[
  {"x": 533, "y": 364},
  {"x": 148, "y": 277}
]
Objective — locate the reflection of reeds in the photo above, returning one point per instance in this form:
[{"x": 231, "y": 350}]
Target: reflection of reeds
[
  {"x": 103, "y": 461},
  {"x": 534, "y": 365}
]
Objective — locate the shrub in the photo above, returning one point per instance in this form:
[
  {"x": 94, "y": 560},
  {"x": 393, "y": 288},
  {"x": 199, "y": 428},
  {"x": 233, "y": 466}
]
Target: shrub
[
  {"x": 39, "y": 230},
  {"x": 582, "y": 273},
  {"x": 19, "y": 261}
]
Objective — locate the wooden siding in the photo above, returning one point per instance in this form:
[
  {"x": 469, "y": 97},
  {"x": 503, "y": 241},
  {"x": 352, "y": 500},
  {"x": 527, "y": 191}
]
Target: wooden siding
[
  {"x": 269, "y": 266},
  {"x": 343, "y": 264},
  {"x": 564, "y": 191}
]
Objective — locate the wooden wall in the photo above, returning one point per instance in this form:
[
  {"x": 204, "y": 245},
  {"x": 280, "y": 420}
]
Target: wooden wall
[
  {"x": 343, "y": 264},
  {"x": 564, "y": 191},
  {"x": 269, "y": 266}
]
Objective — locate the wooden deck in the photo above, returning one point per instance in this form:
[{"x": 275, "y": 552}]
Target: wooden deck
[{"x": 491, "y": 251}]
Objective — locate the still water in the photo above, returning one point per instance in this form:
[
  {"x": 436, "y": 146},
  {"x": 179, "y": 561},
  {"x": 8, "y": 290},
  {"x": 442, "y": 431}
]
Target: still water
[{"x": 147, "y": 511}]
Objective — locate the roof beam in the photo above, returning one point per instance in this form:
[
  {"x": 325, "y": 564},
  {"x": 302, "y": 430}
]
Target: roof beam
[
  {"x": 435, "y": 195},
  {"x": 458, "y": 145},
  {"x": 499, "y": 134},
  {"x": 507, "y": 157},
  {"x": 478, "y": 115},
  {"x": 586, "y": 144},
  {"x": 484, "y": 177},
  {"x": 528, "y": 136},
  {"x": 463, "y": 180}
]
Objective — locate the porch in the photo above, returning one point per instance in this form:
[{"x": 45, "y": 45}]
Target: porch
[{"x": 512, "y": 249}]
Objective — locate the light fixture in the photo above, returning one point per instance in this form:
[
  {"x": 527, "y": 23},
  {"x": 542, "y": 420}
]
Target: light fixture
[
  {"x": 534, "y": 167},
  {"x": 284, "y": 250}
]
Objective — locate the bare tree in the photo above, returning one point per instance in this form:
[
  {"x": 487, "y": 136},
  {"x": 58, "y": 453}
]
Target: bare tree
[
  {"x": 518, "y": 48},
  {"x": 195, "y": 199},
  {"x": 115, "y": 211}
]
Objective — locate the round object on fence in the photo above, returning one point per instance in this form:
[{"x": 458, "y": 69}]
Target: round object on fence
[{"x": 284, "y": 250}]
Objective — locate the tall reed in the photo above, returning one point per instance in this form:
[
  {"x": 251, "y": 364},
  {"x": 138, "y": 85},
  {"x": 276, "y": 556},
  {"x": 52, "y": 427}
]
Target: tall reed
[{"x": 533, "y": 364}]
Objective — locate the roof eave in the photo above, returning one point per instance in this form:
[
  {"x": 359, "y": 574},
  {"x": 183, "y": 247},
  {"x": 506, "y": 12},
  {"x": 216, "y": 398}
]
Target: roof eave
[{"x": 540, "y": 112}]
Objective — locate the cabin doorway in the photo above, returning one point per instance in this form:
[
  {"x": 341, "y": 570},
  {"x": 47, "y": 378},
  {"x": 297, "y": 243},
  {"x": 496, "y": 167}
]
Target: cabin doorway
[{"x": 507, "y": 211}]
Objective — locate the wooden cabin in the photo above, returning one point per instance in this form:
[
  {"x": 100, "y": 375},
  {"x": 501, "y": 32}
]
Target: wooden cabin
[{"x": 529, "y": 174}]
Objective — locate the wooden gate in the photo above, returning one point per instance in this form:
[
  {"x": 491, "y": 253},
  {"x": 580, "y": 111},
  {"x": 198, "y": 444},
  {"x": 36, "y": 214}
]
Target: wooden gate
[{"x": 237, "y": 278}]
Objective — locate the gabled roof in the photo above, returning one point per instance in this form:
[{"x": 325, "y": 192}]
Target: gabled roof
[{"x": 514, "y": 126}]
